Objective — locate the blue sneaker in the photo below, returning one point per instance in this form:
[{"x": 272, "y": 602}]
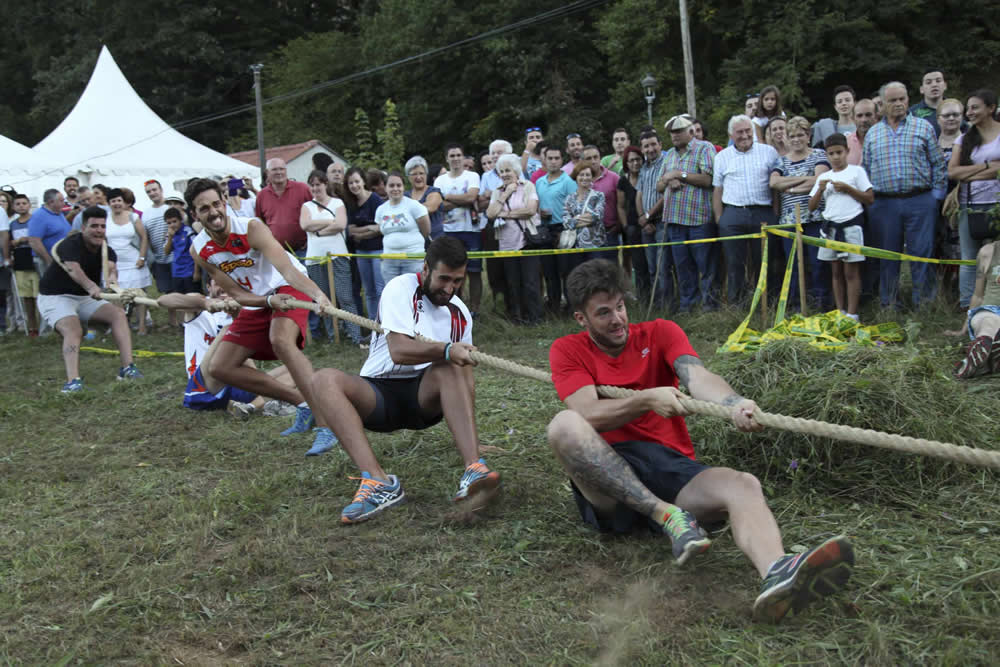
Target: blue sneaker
[
  {"x": 74, "y": 385},
  {"x": 303, "y": 421},
  {"x": 129, "y": 372},
  {"x": 478, "y": 485},
  {"x": 372, "y": 497},
  {"x": 324, "y": 442},
  {"x": 795, "y": 581}
]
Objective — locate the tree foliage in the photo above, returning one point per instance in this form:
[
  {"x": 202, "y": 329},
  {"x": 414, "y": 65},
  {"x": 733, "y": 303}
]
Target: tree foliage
[{"x": 577, "y": 73}]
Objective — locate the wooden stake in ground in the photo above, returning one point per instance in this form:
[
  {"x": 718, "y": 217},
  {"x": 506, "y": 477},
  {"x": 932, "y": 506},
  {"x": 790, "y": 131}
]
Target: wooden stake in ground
[
  {"x": 763, "y": 267},
  {"x": 333, "y": 295},
  {"x": 802, "y": 259}
]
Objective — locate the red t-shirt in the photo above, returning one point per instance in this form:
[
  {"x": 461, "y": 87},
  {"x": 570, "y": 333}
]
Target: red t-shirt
[
  {"x": 646, "y": 362},
  {"x": 538, "y": 173},
  {"x": 281, "y": 214}
]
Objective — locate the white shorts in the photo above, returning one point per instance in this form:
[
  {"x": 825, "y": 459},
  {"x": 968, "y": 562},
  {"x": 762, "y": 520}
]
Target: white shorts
[
  {"x": 54, "y": 307},
  {"x": 853, "y": 234}
]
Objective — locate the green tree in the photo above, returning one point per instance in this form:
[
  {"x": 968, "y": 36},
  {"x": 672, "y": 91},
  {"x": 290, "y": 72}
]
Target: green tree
[
  {"x": 364, "y": 156},
  {"x": 389, "y": 138}
]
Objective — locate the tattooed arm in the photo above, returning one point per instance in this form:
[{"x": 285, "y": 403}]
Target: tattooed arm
[{"x": 705, "y": 385}]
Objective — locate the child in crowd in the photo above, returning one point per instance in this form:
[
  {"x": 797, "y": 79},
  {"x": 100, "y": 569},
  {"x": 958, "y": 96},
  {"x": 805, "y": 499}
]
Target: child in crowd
[
  {"x": 179, "y": 237},
  {"x": 843, "y": 191}
]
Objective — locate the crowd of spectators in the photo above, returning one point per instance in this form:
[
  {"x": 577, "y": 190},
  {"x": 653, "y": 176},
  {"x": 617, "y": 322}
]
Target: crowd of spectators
[{"x": 669, "y": 185}]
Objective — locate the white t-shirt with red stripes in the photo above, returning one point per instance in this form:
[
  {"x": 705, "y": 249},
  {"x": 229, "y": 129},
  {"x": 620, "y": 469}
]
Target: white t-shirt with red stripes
[
  {"x": 405, "y": 310},
  {"x": 247, "y": 266}
]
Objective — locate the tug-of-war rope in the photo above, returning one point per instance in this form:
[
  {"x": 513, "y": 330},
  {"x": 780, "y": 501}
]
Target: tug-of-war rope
[{"x": 864, "y": 436}]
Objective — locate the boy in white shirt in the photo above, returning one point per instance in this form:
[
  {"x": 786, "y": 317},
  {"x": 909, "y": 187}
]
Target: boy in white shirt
[{"x": 843, "y": 191}]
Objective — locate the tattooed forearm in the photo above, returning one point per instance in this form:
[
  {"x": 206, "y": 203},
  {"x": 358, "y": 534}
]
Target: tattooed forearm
[
  {"x": 683, "y": 365},
  {"x": 595, "y": 465}
]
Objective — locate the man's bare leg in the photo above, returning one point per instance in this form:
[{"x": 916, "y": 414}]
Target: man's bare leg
[
  {"x": 279, "y": 373},
  {"x": 724, "y": 490},
  {"x": 72, "y": 333},
  {"x": 603, "y": 477},
  {"x": 227, "y": 366},
  {"x": 450, "y": 390},
  {"x": 115, "y": 316},
  {"x": 344, "y": 398},
  {"x": 284, "y": 336}
]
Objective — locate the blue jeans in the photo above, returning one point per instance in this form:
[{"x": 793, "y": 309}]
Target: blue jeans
[
  {"x": 970, "y": 248},
  {"x": 664, "y": 284},
  {"x": 371, "y": 279},
  {"x": 611, "y": 240},
  {"x": 911, "y": 220},
  {"x": 398, "y": 267},
  {"x": 818, "y": 274},
  {"x": 744, "y": 254},
  {"x": 695, "y": 264}
]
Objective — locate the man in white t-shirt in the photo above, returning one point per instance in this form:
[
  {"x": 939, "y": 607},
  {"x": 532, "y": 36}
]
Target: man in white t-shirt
[
  {"x": 408, "y": 383},
  {"x": 459, "y": 192}
]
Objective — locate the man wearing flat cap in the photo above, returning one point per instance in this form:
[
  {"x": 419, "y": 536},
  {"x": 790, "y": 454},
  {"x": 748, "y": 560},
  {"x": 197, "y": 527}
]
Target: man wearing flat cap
[{"x": 686, "y": 183}]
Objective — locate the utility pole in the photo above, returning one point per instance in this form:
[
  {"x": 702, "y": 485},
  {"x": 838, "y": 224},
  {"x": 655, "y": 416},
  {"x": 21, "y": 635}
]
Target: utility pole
[
  {"x": 260, "y": 119},
  {"x": 688, "y": 64}
]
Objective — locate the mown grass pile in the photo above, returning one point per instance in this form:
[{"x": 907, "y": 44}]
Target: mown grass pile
[{"x": 134, "y": 531}]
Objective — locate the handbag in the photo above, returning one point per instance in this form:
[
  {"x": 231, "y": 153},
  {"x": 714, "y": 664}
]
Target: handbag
[
  {"x": 536, "y": 236},
  {"x": 981, "y": 224},
  {"x": 567, "y": 239}
]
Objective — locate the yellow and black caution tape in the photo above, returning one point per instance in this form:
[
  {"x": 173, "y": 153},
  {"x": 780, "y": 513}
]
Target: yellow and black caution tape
[
  {"x": 869, "y": 251},
  {"x": 142, "y": 354}
]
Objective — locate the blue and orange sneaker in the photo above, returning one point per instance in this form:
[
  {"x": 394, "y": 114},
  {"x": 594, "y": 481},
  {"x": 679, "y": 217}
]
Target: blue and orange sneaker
[
  {"x": 478, "y": 486},
  {"x": 796, "y": 580},
  {"x": 372, "y": 497},
  {"x": 688, "y": 538}
]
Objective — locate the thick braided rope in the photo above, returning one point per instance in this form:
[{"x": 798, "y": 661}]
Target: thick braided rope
[{"x": 902, "y": 443}]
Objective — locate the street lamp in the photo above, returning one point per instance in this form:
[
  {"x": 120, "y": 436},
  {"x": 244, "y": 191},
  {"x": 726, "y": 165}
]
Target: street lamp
[{"x": 649, "y": 86}]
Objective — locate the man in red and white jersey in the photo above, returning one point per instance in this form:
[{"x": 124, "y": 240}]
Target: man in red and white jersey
[
  {"x": 248, "y": 264},
  {"x": 408, "y": 383},
  {"x": 631, "y": 461}
]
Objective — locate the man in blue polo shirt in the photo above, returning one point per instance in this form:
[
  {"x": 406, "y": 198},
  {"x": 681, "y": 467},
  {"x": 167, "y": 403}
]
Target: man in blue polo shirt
[
  {"x": 47, "y": 226},
  {"x": 552, "y": 189}
]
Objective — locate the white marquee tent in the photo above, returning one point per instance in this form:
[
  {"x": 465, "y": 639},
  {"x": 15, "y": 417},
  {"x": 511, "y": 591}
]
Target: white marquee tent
[
  {"x": 19, "y": 166},
  {"x": 112, "y": 137}
]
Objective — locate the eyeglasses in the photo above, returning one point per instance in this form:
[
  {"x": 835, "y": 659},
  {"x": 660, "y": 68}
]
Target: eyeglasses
[
  {"x": 572, "y": 135},
  {"x": 951, "y": 115},
  {"x": 532, "y": 129}
]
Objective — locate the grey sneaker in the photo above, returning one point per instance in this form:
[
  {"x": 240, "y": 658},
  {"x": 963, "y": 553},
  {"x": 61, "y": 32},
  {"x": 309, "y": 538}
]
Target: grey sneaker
[
  {"x": 276, "y": 408},
  {"x": 129, "y": 372},
  {"x": 689, "y": 539}
]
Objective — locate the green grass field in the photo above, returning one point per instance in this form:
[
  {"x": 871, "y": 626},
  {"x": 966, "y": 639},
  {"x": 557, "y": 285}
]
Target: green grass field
[{"x": 135, "y": 531}]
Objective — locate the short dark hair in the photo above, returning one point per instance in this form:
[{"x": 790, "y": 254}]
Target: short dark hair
[
  {"x": 20, "y": 195},
  {"x": 592, "y": 277},
  {"x": 552, "y": 147},
  {"x": 71, "y": 178},
  {"x": 845, "y": 89},
  {"x": 397, "y": 173},
  {"x": 199, "y": 185},
  {"x": 173, "y": 214},
  {"x": 591, "y": 147},
  {"x": 620, "y": 129},
  {"x": 448, "y": 250},
  {"x": 103, "y": 188},
  {"x": 835, "y": 139},
  {"x": 115, "y": 192},
  {"x": 374, "y": 177},
  {"x": 321, "y": 161},
  {"x": 50, "y": 195},
  {"x": 93, "y": 212},
  {"x": 931, "y": 70},
  {"x": 648, "y": 134},
  {"x": 453, "y": 144}
]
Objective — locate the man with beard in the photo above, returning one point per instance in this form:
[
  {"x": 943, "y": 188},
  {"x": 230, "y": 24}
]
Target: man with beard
[
  {"x": 407, "y": 383},
  {"x": 631, "y": 461},
  {"x": 245, "y": 260},
  {"x": 574, "y": 151}
]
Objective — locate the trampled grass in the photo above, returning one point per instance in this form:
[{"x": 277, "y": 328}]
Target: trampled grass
[{"x": 134, "y": 531}]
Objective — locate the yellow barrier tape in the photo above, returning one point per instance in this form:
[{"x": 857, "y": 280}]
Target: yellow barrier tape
[
  {"x": 737, "y": 336},
  {"x": 481, "y": 254},
  {"x": 785, "y": 285},
  {"x": 869, "y": 251},
  {"x": 142, "y": 354}
]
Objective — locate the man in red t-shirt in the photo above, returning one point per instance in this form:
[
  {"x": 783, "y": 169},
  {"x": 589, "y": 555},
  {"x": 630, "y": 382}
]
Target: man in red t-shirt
[
  {"x": 280, "y": 204},
  {"x": 631, "y": 460}
]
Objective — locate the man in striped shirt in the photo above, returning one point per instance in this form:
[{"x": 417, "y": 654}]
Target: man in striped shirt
[
  {"x": 741, "y": 202},
  {"x": 687, "y": 212},
  {"x": 908, "y": 172},
  {"x": 651, "y": 216}
]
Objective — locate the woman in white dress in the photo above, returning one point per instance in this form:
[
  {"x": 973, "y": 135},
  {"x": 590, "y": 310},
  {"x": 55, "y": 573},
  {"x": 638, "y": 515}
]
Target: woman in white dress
[{"x": 127, "y": 236}]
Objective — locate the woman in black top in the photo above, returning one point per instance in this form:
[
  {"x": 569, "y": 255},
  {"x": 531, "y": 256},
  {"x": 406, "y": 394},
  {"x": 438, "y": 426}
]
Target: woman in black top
[
  {"x": 362, "y": 230},
  {"x": 628, "y": 211}
]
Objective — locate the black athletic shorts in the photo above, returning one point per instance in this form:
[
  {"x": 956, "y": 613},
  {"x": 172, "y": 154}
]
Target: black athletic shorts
[
  {"x": 661, "y": 470},
  {"x": 396, "y": 405}
]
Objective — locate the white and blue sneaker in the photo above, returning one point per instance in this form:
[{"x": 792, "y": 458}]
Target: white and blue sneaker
[
  {"x": 73, "y": 386},
  {"x": 303, "y": 421},
  {"x": 478, "y": 486},
  {"x": 372, "y": 497},
  {"x": 324, "y": 442}
]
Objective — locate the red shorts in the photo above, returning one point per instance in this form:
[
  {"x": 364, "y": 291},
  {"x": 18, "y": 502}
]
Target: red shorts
[{"x": 252, "y": 328}]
